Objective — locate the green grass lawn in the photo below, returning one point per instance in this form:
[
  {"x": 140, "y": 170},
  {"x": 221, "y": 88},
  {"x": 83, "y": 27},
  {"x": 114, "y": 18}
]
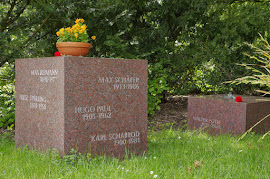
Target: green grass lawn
[{"x": 171, "y": 154}]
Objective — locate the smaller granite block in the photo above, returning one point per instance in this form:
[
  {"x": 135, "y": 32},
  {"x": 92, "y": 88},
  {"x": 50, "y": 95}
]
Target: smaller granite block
[
  {"x": 94, "y": 105},
  {"x": 220, "y": 115}
]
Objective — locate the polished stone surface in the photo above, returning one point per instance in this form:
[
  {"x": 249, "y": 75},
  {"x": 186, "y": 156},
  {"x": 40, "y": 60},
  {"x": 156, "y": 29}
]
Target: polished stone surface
[
  {"x": 95, "y": 105},
  {"x": 221, "y": 115}
]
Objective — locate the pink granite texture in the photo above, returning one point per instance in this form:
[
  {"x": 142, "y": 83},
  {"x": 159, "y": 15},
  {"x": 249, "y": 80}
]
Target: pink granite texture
[
  {"x": 219, "y": 115},
  {"x": 94, "y": 105}
]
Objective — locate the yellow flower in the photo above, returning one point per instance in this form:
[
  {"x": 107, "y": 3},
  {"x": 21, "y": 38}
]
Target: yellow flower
[
  {"x": 76, "y": 32},
  {"x": 61, "y": 30},
  {"x": 68, "y": 29},
  {"x": 79, "y": 20},
  {"x": 81, "y": 31},
  {"x": 94, "y": 37},
  {"x": 76, "y": 26},
  {"x": 83, "y": 27}
]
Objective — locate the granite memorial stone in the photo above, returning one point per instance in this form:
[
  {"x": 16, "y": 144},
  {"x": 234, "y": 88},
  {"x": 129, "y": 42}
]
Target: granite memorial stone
[
  {"x": 94, "y": 105},
  {"x": 221, "y": 115}
]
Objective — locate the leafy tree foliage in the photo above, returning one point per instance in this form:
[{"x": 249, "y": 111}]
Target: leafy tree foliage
[{"x": 7, "y": 105}]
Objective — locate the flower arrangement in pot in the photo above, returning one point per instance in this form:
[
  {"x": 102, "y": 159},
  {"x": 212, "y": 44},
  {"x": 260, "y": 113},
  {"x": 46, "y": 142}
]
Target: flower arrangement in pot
[{"x": 74, "y": 40}]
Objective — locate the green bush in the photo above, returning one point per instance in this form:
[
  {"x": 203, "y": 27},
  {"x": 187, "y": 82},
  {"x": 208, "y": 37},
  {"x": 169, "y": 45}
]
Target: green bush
[
  {"x": 7, "y": 96},
  {"x": 157, "y": 85}
]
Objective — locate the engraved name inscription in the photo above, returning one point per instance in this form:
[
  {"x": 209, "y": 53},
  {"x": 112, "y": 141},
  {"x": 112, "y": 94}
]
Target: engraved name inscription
[
  {"x": 45, "y": 75},
  {"x": 94, "y": 112},
  {"x": 36, "y": 102},
  {"x": 121, "y": 83},
  {"x": 122, "y": 138},
  {"x": 208, "y": 122}
]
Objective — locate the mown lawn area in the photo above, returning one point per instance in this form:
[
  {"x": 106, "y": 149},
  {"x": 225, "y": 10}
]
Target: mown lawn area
[{"x": 171, "y": 154}]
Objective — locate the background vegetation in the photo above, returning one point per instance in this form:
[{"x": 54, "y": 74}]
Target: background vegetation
[{"x": 192, "y": 45}]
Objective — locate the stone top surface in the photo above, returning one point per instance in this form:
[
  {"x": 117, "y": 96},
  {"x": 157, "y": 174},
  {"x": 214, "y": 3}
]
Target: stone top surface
[
  {"x": 223, "y": 97},
  {"x": 73, "y": 57}
]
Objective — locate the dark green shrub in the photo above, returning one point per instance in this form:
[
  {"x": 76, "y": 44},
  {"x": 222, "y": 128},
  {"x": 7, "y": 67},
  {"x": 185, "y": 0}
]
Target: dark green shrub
[
  {"x": 7, "y": 96},
  {"x": 157, "y": 85}
]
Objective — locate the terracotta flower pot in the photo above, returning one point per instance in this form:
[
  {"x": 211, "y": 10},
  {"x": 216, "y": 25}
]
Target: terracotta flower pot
[{"x": 73, "y": 48}]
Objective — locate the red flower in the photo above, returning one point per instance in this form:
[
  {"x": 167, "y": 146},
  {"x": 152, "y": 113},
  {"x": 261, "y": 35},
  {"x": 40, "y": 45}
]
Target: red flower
[
  {"x": 57, "y": 54},
  {"x": 238, "y": 99}
]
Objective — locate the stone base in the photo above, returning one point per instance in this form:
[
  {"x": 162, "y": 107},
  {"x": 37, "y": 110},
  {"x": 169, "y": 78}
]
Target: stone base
[
  {"x": 93, "y": 105},
  {"x": 220, "y": 115}
]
